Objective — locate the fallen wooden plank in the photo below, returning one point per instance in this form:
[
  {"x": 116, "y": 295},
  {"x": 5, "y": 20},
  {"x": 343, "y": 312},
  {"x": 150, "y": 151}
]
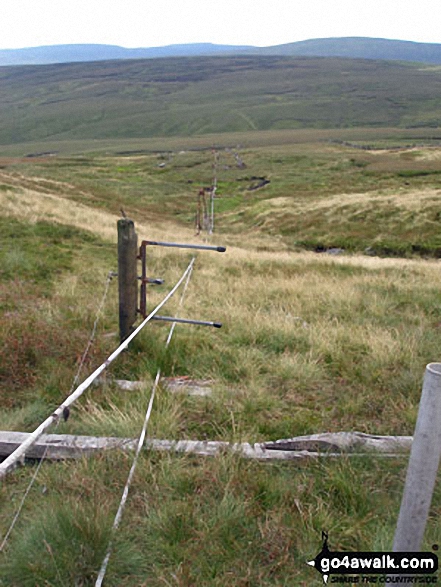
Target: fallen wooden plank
[
  {"x": 344, "y": 441},
  {"x": 65, "y": 446},
  {"x": 211, "y": 448},
  {"x": 192, "y": 387},
  {"x": 60, "y": 446}
]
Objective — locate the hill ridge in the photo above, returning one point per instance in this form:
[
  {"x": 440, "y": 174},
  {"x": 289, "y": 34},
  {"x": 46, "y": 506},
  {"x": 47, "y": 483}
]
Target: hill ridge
[
  {"x": 352, "y": 47},
  {"x": 362, "y": 47},
  {"x": 85, "y": 52}
]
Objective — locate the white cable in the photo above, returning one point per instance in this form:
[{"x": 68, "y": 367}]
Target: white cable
[
  {"x": 140, "y": 444},
  {"x": 20, "y": 451},
  {"x": 92, "y": 336},
  {"x": 20, "y": 507}
]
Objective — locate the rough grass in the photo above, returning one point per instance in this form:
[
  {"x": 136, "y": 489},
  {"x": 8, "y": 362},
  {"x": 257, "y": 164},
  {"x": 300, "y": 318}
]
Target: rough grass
[
  {"x": 310, "y": 342},
  {"x": 201, "y": 522},
  {"x": 366, "y": 138},
  {"x": 42, "y": 336},
  {"x": 318, "y": 196}
]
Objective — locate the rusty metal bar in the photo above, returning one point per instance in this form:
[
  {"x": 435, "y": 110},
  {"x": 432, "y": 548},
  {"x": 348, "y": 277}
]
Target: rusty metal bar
[{"x": 143, "y": 288}]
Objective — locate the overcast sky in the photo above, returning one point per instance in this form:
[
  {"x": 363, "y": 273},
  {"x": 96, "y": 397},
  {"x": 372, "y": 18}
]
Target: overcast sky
[{"x": 149, "y": 23}]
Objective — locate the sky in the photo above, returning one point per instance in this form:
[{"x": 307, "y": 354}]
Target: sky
[{"x": 154, "y": 23}]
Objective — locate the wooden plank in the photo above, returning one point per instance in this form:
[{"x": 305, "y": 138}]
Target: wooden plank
[
  {"x": 64, "y": 446},
  {"x": 185, "y": 385},
  {"x": 60, "y": 446},
  {"x": 344, "y": 441},
  {"x": 193, "y": 387}
]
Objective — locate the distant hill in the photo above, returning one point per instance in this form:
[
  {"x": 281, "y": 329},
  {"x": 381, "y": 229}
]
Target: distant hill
[
  {"x": 189, "y": 96},
  {"x": 351, "y": 47},
  {"x": 85, "y": 53},
  {"x": 360, "y": 48}
]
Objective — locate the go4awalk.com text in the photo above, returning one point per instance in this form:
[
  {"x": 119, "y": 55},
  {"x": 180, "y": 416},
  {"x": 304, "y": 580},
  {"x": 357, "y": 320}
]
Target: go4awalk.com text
[{"x": 376, "y": 568}]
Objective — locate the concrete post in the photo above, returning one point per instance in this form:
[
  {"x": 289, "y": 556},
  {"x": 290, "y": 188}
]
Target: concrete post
[{"x": 423, "y": 465}]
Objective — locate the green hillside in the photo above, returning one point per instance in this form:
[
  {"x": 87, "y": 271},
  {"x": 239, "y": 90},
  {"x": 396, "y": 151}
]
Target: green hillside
[{"x": 200, "y": 95}]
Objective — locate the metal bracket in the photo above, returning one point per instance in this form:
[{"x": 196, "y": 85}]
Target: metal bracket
[
  {"x": 145, "y": 280},
  {"x": 187, "y": 321},
  {"x": 151, "y": 280},
  {"x": 184, "y": 246}
]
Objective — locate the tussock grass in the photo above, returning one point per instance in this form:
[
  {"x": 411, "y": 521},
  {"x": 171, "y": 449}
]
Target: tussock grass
[
  {"x": 33, "y": 206},
  {"x": 310, "y": 342},
  {"x": 318, "y": 196},
  {"x": 203, "y": 522}
]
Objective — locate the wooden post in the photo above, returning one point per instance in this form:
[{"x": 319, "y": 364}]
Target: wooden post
[{"x": 127, "y": 276}]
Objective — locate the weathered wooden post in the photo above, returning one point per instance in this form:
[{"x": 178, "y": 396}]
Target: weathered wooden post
[
  {"x": 127, "y": 276},
  {"x": 423, "y": 465}
]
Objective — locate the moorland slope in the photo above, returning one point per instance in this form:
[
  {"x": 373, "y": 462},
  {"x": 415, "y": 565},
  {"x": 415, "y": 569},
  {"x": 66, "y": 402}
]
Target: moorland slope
[{"x": 200, "y": 95}]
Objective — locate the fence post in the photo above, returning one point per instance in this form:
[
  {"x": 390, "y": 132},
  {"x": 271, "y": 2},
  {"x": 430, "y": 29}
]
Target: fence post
[
  {"x": 127, "y": 276},
  {"x": 423, "y": 465}
]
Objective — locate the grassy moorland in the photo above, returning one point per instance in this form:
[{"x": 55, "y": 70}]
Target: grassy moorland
[
  {"x": 196, "y": 96},
  {"x": 311, "y": 342},
  {"x": 378, "y": 194}
]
